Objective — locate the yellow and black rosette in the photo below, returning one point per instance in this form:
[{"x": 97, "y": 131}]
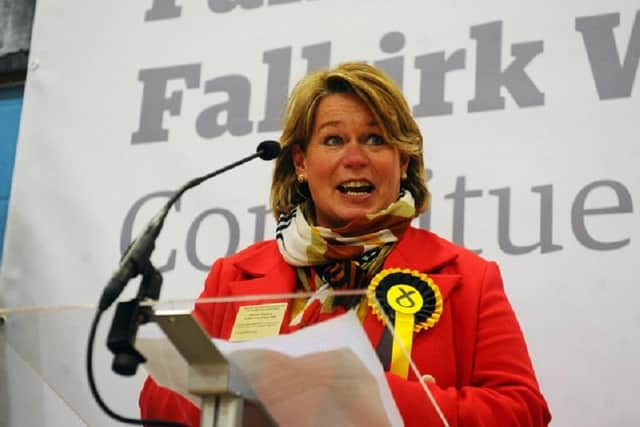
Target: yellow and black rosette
[{"x": 412, "y": 302}]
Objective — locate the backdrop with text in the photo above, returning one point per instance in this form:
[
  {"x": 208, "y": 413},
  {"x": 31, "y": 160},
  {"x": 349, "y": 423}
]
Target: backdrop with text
[{"x": 527, "y": 113}]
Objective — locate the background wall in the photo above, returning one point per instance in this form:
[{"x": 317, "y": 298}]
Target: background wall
[{"x": 530, "y": 123}]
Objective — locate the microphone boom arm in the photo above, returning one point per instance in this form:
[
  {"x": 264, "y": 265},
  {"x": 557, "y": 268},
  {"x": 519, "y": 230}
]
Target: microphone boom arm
[{"x": 138, "y": 253}]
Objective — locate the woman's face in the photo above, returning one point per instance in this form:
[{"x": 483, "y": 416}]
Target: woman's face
[{"x": 350, "y": 169}]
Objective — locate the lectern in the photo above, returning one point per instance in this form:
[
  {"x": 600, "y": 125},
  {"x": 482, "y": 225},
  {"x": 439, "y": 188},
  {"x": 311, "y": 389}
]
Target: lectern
[{"x": 226, "y": 398}]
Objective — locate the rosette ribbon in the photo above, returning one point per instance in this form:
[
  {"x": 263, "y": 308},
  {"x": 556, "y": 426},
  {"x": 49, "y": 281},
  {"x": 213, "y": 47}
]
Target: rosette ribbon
[{"x": 411, "y": 301}]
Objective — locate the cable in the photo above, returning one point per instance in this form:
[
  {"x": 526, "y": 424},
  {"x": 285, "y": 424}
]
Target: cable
[
  {"x": 98, "y": 398},
  {"x": 414, "y": 368}
]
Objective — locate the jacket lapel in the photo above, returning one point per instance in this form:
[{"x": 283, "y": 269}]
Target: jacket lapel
[{"x": 262, "y": 272}]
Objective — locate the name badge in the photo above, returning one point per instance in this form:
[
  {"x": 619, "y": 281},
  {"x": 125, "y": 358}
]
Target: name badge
[{"x": 258, "y": 321}]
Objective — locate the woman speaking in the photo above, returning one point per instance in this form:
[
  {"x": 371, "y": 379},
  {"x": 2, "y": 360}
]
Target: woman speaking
[{"x": 345, "y": 189}]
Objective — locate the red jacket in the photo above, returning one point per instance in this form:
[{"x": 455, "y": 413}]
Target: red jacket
[{"x": 476, "y": 352}]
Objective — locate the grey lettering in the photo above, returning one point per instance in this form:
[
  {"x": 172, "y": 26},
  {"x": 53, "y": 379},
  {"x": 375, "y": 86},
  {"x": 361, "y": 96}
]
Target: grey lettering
[
  {"x": 223, "y": 6},
  {"x": 279, "y": 74},
  {"x": 163, "y": 9},
  {"x": 261, "y": 213},
  {"x": 458, "y": 196},
  {"x": 279, "y": 63},
  {"x": 490, "y": 77},
  {"x": 613, "y": 80},
  {"x": 546, "y": 221},
  {"x": 579, "y": 212},
  {"x": 433, "y": 69},
  {"x": 546, "y": 218},
  {"x": 318, "y": 56},
  {"x": 155, "y": 103},
  {"x": 392, "y": 42},
  {"x": 236, "y": 108},
  {"x": 192, "y": 234},
  {"x": 126, "y": 235}
]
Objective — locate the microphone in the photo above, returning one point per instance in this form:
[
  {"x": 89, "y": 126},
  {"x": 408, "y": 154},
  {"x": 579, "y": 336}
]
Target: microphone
[
  {"x": 268, "y": 150},
  {"x": 137, "y": 255}
]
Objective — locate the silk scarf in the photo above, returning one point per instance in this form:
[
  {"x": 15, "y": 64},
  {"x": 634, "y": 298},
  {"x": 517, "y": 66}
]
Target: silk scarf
[{"x": 342, "y": 258}]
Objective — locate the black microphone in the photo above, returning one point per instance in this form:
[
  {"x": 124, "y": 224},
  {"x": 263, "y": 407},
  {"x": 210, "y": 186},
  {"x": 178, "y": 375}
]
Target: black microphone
[
  {"x": 268, "y": 150},
  {"x": 138, "y": 253}
]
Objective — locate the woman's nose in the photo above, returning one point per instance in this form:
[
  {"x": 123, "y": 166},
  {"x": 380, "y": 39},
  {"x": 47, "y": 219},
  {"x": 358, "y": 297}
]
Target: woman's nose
[{"x": 355, "y": 155}]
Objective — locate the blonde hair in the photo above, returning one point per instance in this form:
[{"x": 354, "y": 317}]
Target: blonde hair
[{"x": 386, "y": 103}]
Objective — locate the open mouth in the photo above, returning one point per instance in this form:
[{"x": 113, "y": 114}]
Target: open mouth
[{"x": 356, "y": 187}]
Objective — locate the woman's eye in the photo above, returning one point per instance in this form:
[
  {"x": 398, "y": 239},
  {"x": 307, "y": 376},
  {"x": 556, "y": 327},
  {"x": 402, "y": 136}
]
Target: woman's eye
[
  {"x": 332, "y": 140},
  {"x": 375, "y": 139}
]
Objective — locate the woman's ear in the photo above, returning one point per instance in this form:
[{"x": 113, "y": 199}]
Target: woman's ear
[
  {"x": 404, "y": 164},
  {"x": 298, "y": 160}
]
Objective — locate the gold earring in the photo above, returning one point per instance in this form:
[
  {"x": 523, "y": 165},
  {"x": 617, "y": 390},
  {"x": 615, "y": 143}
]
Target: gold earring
[
  {"x": 404, "y": 176},
  {"x": 301, "y": 179}
]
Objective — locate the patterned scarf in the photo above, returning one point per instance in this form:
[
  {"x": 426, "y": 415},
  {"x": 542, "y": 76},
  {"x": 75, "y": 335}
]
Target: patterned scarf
[{"x": 342, "y": 258}]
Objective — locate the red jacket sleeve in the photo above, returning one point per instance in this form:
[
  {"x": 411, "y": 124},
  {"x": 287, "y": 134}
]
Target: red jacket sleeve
[
  {"x": 502, "y": 391},
  {"x": 161, "y": 403}
]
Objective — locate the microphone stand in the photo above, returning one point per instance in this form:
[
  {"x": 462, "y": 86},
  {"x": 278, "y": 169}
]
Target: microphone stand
[{"x": 129, "y": 315}]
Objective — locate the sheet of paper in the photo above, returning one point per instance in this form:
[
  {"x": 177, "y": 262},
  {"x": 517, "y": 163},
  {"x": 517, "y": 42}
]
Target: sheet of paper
[{"x": 325, "y": 374}]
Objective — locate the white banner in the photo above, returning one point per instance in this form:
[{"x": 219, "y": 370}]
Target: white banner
[{"x": 529, "y": 114}]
